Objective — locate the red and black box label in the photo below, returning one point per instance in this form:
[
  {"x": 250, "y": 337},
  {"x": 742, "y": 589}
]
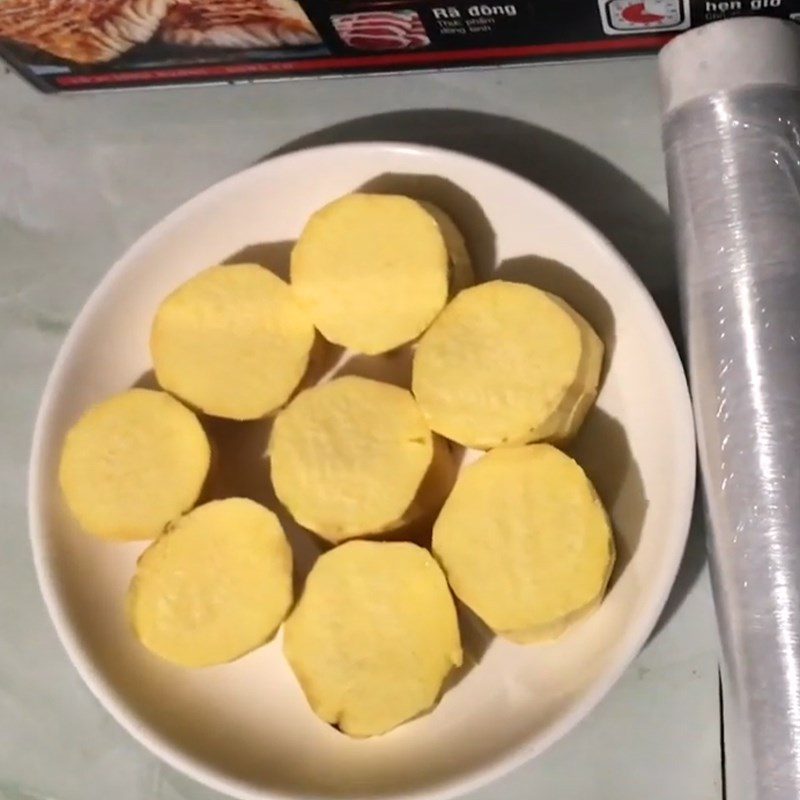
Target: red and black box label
[{"x": 68, "y": 45}]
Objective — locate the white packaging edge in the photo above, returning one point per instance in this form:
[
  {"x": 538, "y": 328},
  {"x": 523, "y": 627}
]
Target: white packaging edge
[{"x": 726, "y": 55}]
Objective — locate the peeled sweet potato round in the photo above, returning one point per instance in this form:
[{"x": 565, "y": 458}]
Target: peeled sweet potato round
[
  {"x": 373, "y": 636},
  {"x": 214, "y": 586},
  {"x": 132, "y": 464}
]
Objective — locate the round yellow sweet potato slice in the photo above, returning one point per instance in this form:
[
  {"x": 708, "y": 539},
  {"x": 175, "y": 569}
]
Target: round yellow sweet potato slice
[
  {"x": 507, "y": 364},
  {"x": 348, "y": 457},
  {"x": 133, "y": 463},
  {"x": 375, "y": 270},
  {"x": 373, "y": 636},
  {"x": 232, "y": 342},
  {"x": 215, "y": 586},
  {"x": 525, "y": 542}
]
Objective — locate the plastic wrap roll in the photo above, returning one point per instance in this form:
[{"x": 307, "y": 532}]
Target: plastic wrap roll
[{"x": 732, "y": 141}]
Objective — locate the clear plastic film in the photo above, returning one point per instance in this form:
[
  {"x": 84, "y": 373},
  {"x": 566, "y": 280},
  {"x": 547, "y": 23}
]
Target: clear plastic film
[{"x": 732, "y": 144}]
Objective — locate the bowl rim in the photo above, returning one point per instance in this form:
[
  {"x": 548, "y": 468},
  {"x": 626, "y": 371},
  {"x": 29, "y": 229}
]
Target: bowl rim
[{"x": 528, "y": 747}]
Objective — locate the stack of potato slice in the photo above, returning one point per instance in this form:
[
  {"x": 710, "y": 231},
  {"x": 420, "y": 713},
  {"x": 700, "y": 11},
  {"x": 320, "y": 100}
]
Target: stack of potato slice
[{"x": 521, "y": 537}]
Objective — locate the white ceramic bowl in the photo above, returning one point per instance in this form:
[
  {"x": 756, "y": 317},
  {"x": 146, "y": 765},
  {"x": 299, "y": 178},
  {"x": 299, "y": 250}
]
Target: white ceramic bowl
[{"x": 245, "y": 728}]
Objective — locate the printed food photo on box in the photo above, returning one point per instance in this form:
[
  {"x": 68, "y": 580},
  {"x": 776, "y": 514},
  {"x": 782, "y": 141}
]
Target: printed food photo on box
[
  {"x": 68, "y": 43},
  {"x": 381, "y": 30}
]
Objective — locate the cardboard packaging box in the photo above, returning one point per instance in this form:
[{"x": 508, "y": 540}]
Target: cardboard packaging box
[{"x": 73, "y": 45}]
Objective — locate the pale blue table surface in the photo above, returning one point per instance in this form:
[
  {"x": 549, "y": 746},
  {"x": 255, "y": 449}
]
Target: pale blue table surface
[{"x": 82, "y": 177}]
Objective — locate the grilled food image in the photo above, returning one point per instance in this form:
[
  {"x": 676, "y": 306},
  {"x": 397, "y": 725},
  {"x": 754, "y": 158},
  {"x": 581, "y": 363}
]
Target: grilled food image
[
  {"x": 238, "y": 23},
  {"x": 83, "y": 31}
]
